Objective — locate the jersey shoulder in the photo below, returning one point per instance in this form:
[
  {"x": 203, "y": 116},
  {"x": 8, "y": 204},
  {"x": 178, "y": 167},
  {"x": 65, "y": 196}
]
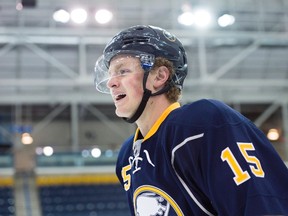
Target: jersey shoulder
[{"x": 205, "y": 113}]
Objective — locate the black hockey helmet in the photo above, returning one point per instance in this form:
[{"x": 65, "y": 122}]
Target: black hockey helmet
[{"x": 148, "y": 43}]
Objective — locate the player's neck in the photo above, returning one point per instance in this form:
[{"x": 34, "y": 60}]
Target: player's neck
[{"x": 153, "y": 110}]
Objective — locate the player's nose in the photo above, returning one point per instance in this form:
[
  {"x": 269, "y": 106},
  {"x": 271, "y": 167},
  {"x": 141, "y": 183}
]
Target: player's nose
[{"x": 112, "y": 82}]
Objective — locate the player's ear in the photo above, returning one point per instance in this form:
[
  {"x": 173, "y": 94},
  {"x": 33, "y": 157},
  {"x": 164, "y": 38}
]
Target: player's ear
[{"x": 162, "y": 75}]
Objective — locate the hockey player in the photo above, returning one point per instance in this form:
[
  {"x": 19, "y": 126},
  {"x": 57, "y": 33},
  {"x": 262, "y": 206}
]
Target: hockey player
[{"x": 203, "y": 158}]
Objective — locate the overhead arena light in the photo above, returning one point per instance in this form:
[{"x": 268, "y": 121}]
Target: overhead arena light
[
  {"x": 96, "y": 152},
  {"x": 78, "y": 15},
  {"x": 61, "y": 16},
  {"x": 103, "y": 16},
  {"x": 186, "y": 18},
  {"x": 203, "y": 18},
  {"x": 273, "y": 134},
  {"x": 226, "y": 20},
  {"x": 48, "y": 151},
  {"x": 26, "y": 139}
]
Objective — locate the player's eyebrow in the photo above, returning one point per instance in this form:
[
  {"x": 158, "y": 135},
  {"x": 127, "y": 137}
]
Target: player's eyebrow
[{"x": 117, "y": 67}]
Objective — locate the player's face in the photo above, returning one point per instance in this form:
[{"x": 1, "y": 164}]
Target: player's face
[{"x": 125, "y": 84}]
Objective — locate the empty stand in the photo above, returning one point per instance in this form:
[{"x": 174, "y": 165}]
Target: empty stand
[
  {"x": 83, "y": 200},
  {"x": 6, "y": 201}
]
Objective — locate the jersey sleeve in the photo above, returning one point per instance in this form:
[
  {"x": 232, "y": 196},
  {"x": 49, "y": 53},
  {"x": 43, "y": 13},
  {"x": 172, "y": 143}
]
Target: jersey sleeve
[{"x": 228, "y": 166}]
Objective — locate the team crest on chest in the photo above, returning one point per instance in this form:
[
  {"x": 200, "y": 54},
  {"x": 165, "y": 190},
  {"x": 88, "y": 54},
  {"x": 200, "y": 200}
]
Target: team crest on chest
[{"x": 152, "y": 201}]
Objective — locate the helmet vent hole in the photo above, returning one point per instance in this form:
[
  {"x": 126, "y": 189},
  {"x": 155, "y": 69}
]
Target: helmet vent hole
[
  {"x": 140, "y": 28},
  {"x": 130, "y": 40}
]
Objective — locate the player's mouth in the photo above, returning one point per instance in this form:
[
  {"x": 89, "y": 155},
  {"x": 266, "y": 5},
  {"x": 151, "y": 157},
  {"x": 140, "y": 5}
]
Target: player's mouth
[{"x": 119, "y": 97}]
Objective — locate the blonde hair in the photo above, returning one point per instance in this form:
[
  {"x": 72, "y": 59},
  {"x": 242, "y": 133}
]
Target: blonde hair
[{"x": 174, "y": 93}]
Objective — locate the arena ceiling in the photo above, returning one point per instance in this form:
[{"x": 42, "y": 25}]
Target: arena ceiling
[{"x": 44, "y": 62}]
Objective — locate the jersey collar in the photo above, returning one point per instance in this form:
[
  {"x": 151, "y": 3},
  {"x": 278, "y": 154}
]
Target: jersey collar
[{"x": 157, "y": 123}]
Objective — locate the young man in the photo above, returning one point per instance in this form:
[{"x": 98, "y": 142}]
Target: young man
[{"x": 203, "y": 158}]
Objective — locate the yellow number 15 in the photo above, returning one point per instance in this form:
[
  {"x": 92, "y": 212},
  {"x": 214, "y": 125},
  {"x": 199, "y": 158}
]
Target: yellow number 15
[{"x": 241, "y": 175}]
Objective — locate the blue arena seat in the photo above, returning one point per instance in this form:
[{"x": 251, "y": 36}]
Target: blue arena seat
[
  {"x": 83, "y": 200},
  {"x": 7, "y": 207}
]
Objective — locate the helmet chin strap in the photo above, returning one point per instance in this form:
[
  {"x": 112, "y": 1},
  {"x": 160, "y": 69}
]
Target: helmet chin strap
[
  {"x": 146, "y": 95},
  {"x": 141, "y": 107}
]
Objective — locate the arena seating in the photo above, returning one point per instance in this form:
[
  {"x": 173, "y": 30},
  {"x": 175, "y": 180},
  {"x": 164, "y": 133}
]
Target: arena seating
[
  {"x": 6, "y": 201},
  {"x": 83, "y": 200}
]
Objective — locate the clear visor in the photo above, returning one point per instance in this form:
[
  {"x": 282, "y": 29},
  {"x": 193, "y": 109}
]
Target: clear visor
[{"x": 103, "y": 75}]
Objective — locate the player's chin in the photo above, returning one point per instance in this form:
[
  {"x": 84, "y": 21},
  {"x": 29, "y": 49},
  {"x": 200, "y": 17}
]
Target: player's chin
[{"x": 120, "y": 113}]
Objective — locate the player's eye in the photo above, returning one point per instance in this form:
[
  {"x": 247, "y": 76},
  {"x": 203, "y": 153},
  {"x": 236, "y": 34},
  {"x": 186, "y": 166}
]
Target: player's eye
[
  {"x": 123, "y": 72},
  {"x": 120, "y": 72}
]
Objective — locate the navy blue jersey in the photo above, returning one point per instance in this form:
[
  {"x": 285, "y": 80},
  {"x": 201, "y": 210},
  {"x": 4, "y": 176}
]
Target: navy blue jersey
[{"x": 203, "y": 158}]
